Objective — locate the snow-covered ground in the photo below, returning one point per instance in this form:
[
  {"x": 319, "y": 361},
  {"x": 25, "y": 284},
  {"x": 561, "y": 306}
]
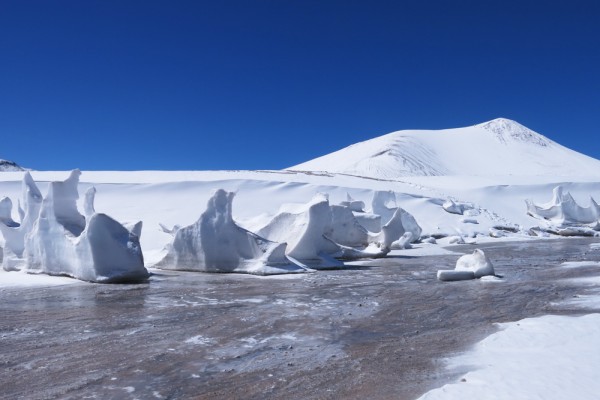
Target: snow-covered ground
[{"x": 550, "y": 357}]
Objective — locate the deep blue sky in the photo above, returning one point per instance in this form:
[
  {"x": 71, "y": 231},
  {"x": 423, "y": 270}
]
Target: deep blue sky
[{"x": 268, "y": 84}]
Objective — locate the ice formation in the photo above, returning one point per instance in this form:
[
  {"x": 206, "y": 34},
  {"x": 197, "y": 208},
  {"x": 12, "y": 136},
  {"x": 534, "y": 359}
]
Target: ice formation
[
  {"x": 395, "y": 220},
  {"x": 170, "y": 231},
  {"x": 562, "y": 215},
  {"x": 564, "y": 210},
  {"x": 459, "y": 208},
  {"x": 384, "y": 204},
  {"x": 215, "y": 243},
  {"x": 6, "y": 213},
  {"x": 403, "y": 242},
  {"x": 311, "y": 230},
  {"x": 469, "y": 266},
  {"x": 345, "y": 229},
  {"x": 54, "y": 238},
  {"x": 371, "y": 222},
  {"x": 14, "y": 236},
  {"x": 353, "y": 205}
]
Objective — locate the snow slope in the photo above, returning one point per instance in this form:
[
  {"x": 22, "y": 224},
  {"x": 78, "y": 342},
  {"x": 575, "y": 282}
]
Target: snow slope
[{"x": 494, "y": 148}]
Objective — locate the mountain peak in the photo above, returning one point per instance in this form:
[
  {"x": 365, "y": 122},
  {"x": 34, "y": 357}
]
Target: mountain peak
[
  {"x": 497, "y": 147},
  {"x": 6, "y": 165},
  {"x": 506, "y": 130}
]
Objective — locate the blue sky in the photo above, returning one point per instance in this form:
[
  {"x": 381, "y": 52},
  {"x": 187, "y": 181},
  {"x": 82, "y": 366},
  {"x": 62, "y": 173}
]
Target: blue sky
[{"x": 268, "y": 84}]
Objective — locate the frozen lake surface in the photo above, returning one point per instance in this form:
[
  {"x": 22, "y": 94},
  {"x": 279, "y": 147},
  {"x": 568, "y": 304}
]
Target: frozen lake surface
[{"x": 376, "y": 331}]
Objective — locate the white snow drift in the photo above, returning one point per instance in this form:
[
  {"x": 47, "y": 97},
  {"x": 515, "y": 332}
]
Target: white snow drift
[
  {"x": 54, "y": 238},
  {"x": 469, "y": 266}
]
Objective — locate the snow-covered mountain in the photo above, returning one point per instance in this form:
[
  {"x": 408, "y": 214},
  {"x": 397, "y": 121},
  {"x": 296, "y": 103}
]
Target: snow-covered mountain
[
  {"x": 497, "y": 147},
  {"x": 12, "y": 166}
]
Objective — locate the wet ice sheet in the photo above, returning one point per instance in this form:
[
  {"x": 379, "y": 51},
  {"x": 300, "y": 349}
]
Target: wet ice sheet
[
  {"x": 585, "y": 301},
  {"x": 578, "y": 264},
  {"x": 371, "y": 331}
]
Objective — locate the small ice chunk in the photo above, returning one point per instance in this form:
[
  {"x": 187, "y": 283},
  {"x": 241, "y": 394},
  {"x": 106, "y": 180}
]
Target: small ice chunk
[
  {"x": 477, "y": 262},
  {"x": 458, "y": 239},
  {"x": 403, "y": 242},
  {"x": 448, "y": 275},
  {"x": 469, "y": 266}
]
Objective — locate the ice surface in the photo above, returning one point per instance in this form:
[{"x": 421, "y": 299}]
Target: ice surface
[{"x": 215, "y": 243}]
